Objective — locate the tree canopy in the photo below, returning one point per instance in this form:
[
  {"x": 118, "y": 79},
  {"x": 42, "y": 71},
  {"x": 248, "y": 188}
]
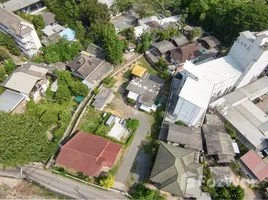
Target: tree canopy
[
  {"x": 9, "y": 43},
  {"x": 133, "y": 124},
  {"x": 143, "y": 193}
]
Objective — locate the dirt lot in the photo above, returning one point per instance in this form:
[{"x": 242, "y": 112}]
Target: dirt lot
[{"x": 19, "y": 189}]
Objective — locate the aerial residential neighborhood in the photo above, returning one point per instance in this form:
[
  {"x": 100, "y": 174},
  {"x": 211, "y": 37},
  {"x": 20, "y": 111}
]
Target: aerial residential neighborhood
[{"x": 126, "y": 99}]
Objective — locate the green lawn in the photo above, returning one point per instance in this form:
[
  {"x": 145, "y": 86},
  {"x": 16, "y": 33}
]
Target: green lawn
[
  {"x": 143, "y": 62},
  {"x": 90, "y": 121}
]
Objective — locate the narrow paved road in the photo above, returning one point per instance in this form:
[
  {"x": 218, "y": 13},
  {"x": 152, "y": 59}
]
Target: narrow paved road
[
  {"x": 144, "y": 128},
  {"x": 64, "y": 186}
]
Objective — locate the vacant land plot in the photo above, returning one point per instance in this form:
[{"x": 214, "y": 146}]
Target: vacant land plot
[{"x": 143, "y": 62}]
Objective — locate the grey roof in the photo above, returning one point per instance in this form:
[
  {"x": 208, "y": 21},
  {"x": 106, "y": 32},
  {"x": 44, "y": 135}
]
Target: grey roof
[
  {"x": 221, "y": 172},
  {"x": 48, "y": 17},
  {"x": 24, "y": 78},
  {"x": 173, "y": 168},
  {"x": 14, "y": 23},
  {"x": 9, "y": 100},
  {"x": 250, "y": 120},
  {"x": 220, "y": 144},
  {"x": 146, "y": 88},
  {"x": 54, "y": 86},
  {"x": 96, "y": 51},
  {"x": 14, "y": 5},
  {"x": 180, "y": 40},
  {"x": 188, "y": 136},
  {"x": 213, "y": 120},
  {"x": 83, "y": 65},
  {"x": 211, "y": 41},
  {"x": 101, "y": 72},
  {"x": 52, "y": 39},
  {"x": 101, "y": 99},
  {"x": 164, "y": 46}
]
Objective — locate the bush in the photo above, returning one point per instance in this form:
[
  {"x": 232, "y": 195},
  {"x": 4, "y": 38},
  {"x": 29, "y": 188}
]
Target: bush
[
  {"x": 131, "y": 101},
  {"x": 180, "y": 123},
  {"x": 63, "y": 94},
  {"x": 4, "y": 54},
  {"x": 96, "y": 91},
  {"x": 143, "y": 193},
  {"x": 9, "y": 43},
  {"x": 195, "y": 33},
  {"x": 107, "y": 181},
  {"x": 109, "y": 82},
  {"x": 133, "y": 124},
  {"x": 9, "y": 66}
]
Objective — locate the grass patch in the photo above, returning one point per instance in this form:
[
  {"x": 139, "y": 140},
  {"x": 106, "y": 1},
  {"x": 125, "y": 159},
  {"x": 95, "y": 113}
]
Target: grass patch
[{"x": 143, "y": 62}]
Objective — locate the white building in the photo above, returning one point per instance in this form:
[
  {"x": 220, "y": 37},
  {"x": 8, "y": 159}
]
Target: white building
[
  {"x": 22, "y": 31},
  {"x": 206, "y": 82}
]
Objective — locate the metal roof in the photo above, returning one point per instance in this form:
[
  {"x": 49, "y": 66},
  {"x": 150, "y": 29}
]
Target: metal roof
[
  {"x": 164, "y": 46},
  {"x": 180, "y": 40},
  {"x": 172, "y": 169},
  {"x": 138, "y": 71},
  {"x": 14, "y": 5},
  {"x": 48, "y": 17},
  {"x": 9, "y": 100},
  {"x": 102, "y": 98}
]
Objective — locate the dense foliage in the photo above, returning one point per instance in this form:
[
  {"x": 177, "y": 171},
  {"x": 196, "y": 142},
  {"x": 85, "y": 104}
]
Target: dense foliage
[
  {"x": 107, "y": 181},
  {"x": 61, "y": 51},
  {"x": 23, "y": 139},
  {"x": 9, "y": 66},
  {"x": 133, "y": 124},
  {"x": 144, "y": 42},
  {"x": 90, "y": 20},
  {"x": 69, "y": 86},
  {"x": 143, "y": 193},
  {"x": 226, "y": 192},
  {"x": 9, "y": 43}
]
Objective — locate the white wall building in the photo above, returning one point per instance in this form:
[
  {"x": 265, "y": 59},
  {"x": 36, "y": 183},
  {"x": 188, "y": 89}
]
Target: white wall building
[
  {"x": 206, "y": 82},
  {"x": 22, "y": 31}
]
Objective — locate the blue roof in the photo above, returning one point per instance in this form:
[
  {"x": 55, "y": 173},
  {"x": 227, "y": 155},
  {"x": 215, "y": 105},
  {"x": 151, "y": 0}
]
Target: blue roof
[
  {"x": 68, "y": 33},
  {"x": 9, "y": 100}
]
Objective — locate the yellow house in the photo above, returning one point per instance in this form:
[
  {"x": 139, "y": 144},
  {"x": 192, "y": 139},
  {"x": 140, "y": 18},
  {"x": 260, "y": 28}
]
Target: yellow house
[{"x": 138, "y": 71}]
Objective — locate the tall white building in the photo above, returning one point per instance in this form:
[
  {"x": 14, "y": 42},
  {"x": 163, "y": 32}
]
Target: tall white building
[
  {"x": 22, "y": 31},
  {"x": 204, "y": 83}
]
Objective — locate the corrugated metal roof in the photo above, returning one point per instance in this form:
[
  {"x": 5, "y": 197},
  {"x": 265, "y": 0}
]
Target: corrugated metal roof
[
  {"x": 9, "y": 100},
  {"x": 138, "y": 71},
  {"x": 14, "y": 5},
  {"x": 197, "y": 92}
]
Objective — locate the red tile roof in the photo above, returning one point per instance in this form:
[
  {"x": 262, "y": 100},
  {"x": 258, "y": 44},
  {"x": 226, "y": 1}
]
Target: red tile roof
[
  {"x": 256, "y": 165},
  {"x": 88, "y": 153}
]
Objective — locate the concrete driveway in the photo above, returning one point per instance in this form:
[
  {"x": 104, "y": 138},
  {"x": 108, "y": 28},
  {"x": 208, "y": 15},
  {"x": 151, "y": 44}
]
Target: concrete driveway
[{"x": 143, "y": 130}]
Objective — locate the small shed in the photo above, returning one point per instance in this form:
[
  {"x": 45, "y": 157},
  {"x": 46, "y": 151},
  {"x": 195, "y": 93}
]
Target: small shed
[
  {"x": 138, "y": 71},
  {"x": 209, "y": 42},
  {"x": 110, "y": 120}
]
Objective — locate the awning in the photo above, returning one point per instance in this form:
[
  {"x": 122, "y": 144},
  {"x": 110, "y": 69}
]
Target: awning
[
  {"x": 132, "y": 95},
  {"x": 236, "y": 148}
]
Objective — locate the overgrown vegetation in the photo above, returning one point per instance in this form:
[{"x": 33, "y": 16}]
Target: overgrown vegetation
[
  {"x": 227, "y": 192},
  {"x": 141, "y": 192},
  {"x": 109, "y": 82},
  {"x": 133, "y": 124},
  {"x": 107, "y": 181},
  {"x": 232, "y": 132},
  {"x": 61, "y": 51},
  {"x": 9, "y": 43},
  {"x": 180, "y": 123}
]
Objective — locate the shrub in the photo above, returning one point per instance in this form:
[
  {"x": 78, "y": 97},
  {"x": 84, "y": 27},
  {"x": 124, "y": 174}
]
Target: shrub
[
  {"x": 180, "y": 123},
  {"x": 133, "y": 124},
  {"x": 96, "y": 91},
  {"x": 107, "y": 181},
  {"x": 131, "y": 101}
]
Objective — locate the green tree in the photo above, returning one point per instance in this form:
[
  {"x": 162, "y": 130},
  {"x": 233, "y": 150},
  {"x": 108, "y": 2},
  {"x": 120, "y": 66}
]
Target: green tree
[
  {"x": 121, "y": 6},
  {"x": 107, "y": 182},
  {"x": 167, "y": 33},
  {"x": 63, "y": 94},
  {"x": 195, "y": 33},
  {"x": 79, "y": 89},
  {"x": 129, "y": 33},
  {"x": 9, "y": 66},
  {"x": 143, "y": 193},
  {"x": 144, "y": 42},
  {"x": 80, "y": 31},
  {"x": 9, "y": 43},
  {"x": 91, "y": 11},
  {"x": 2, "y": 74},
  {"x": 104, "y": 35},
  {"x": 133, "y": 124},
  {"x": 162, "y": 64},
  {"x": 96, "y": 91}
]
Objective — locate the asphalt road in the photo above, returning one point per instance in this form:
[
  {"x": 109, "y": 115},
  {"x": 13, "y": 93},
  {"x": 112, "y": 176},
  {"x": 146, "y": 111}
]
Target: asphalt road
[
  {"x": 64, "y": 186},
  {"x": 144, "y": 128}
]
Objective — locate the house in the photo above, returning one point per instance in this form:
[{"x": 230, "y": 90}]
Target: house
[
  {"x": 96, "y": 51},
  {"x": 163, "y": 47},
  {"x": 89, "y": 154},
  {"x": 186, "y": 137},
  {"x": 179, "y": 40},
  {"x": 190, "y": 51},
  {"x": 218, "y": 143},
  {"x": 9, "y": 100},
  {"x": 209, "y": 42},
  {"x": 29, "y": 80},
  {"x": 52, "y": 29},
  {"x": 245, "y": 108},
  {"x": 253, "y": 166},
  {"x": 104, "y": 97},
  {"x": 175, "y": 171},
  {"x": 222, "y": 175},
  {"x": 51, "y": 39},
  {"x": 26, "y": 6},
  {"x": 144, "y": 91},
  {"x": 22, "y": 32},
  {"x": 138, "y": 71},
  {"x": 206, "y": 82},
  {"x": 48, "y": 17},
  {"x": 89, "y": 68}
]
